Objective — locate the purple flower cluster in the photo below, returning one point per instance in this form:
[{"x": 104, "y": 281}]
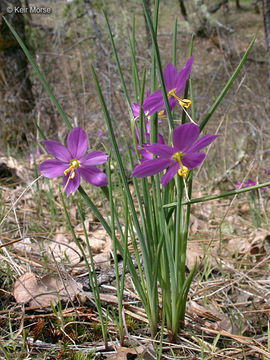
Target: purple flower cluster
[
  {"x": 179, "y": 158},
  {"x": 146, "y": 155},
  {"x": 73, "y": 162},
  {"x": 175, "y": 83},
  {"x": 184, "y": 155},
  {"x": 250, "y": 182}
]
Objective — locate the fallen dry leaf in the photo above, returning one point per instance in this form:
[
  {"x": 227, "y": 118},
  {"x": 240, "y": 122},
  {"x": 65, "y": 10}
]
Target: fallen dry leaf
[
  {"x": 257, "y": 245},
  {"x": 64, "y": 250},
  {"x": 50, "y": 288},
  {"x": 26, "y": 246},
  {"x": 99, "y": 241},
  {"x": 196, "y": 224},
  {"x": 195, "y": 252},
  {"x": 24, "y": 287},
  {"x": 244, "y": 209},
  {"x": 124, "y": 352},
  {"x": 12, "y": 168},
  {"x": 219, "y": 320},
  {"x": 203, "y": 311},
  {"x": 102, "y": 261}
]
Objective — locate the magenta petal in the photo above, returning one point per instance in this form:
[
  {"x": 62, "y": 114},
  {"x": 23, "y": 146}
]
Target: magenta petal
[
  {"x": 153, "y": 103},
  {"x": 161, "y": 139},
  {"x": 52, "y": 168},
  {"x": 94, "y": 158},
  {"x": 170, "y": 174},
  {"x": 73, "y": 184},
  {"x": 192, "y": 160},
  {"x": 77, "y": 142},
  {"x": 170, "y": 76},
  {"x": 184, "y": 136},
  {"x": 183, "y": 76},
  {"x": 151, "y": 167},
  {"x": 172, "y": 101},
  {"x": 93, "y": 176},
  {"x": 162, "y": 150},
  {"x": 203, "y": 142},
  {"x": 57, "y": 150},
  {"x": 136, "y": 109},
  {"x": 146, "y": 155},
  {"x": 148, "y": 125}
]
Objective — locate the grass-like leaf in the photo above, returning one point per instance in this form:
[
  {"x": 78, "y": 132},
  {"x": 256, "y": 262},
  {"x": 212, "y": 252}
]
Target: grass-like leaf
[
  {"x": 219, "y": 196},
  {"x": 119, "y": 67},
  {"x": 159, "y": 65}
]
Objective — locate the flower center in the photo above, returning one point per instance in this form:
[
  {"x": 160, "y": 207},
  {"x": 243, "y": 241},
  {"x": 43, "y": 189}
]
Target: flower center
[
  {"x": 74, "y": 163},
  {"x": 183, "y": 170},
  {"x": 162, "y": 114},
  {"x": 182, "y": 102}
]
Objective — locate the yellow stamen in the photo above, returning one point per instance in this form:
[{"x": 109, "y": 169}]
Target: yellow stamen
[
  {"x": 183, "y": 170},
  {"x": 185, "y": 103},
  {"x": 172, "y": 93},
  {"x": 178, "y": 156},
  {"x": 74, "y": 163},
  {"x": 161, "y": 114},
  {"x": 182, "y": 102}
]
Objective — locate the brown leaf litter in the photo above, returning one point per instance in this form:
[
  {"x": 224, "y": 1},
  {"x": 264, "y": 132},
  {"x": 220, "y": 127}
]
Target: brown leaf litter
[
  {"x": 42, "y": 292},
  {"x": 11, "y": 170},
  {"x": 256, "y": 246},
  {"x": 124, "y": 353}
]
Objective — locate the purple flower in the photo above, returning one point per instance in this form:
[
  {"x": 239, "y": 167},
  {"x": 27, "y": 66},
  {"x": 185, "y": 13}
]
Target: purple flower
[
  {"x": 146, "y": 155},
  {"x": 136, "y": 108},
  {"x": 175, "y": 83},
  {"x": 180, "y": 158},
  {"x": 239, "y": 185},
  {"x": 73, "y": 163},
  {"x": 136, "y": 111},
  {"x": 100, "y": 133},
  {"x": 143, "y": 150},
  {"x": 250, "y": 183}
]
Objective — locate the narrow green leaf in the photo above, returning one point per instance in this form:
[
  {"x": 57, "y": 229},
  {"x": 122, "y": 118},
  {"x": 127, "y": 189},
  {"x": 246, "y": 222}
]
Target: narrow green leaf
[
  {"x": 119, "y": 67},
  {"x": 133, "y": 54},
  {"x": 159, "y": 66},
  {"x": 123, "y": 177},
  {"x": 219, "y": 196},
  {"x": 95, "y": 210},
  {"x": 184, "y": 115},
  {"x": 92, "y": 274}
]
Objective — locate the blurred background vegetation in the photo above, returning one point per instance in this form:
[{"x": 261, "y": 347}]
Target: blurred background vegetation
[{"x": 74, "y": 34}]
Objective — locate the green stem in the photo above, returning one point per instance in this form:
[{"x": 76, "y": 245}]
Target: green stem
[{"x": 218, "y": 196}]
